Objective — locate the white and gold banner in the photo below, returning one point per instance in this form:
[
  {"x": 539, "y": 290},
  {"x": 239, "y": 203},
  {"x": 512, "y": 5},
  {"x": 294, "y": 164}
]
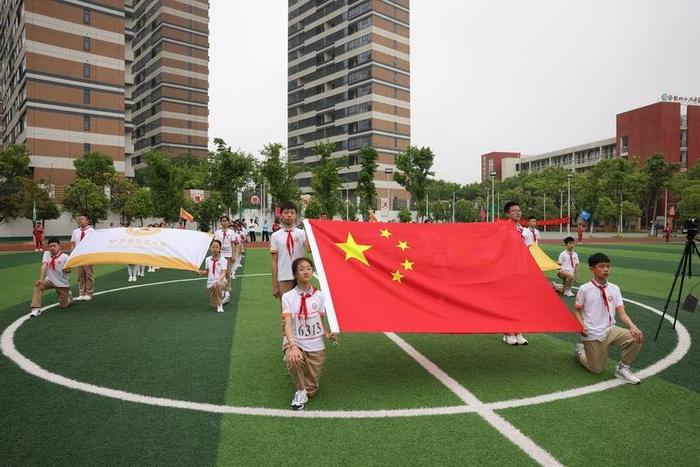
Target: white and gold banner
[{"x": 167, "y": 248}]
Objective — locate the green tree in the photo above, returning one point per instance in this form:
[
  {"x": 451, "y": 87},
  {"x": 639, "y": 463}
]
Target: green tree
[
  {"x": 351, "y": 213},
  {"x": 325, "y": 180},
  {"x": 441, "y": 211},
  {"x": 96, "y": 167},
  {"x": 465, "y": 211},
  {"x": 139, "y": 205},
  {"x": 630, "y": 212},
  {"x": 207, "y": 212},
  {"x": 167, "y": 183},
  {"x": 32, "y": 194},
  {"x": 14, "y": 164},
  {"x": 689, "y": 206},
  {"x": 607, "y": 210},
  {"x": 658, "y": 176},
  {"x": 405, "y": 216},
  {"x": 365, "y": 181},
  {"x": 313, "y": 209},
  {"x": 228, "y": 173},
  {"x": 279, "y": 174},
  {"x": 120, "y": 190},
  {"x": 414, "y": 166},
  {"x": 194, "y": 170},
  {"x": 85, "y": 197}
]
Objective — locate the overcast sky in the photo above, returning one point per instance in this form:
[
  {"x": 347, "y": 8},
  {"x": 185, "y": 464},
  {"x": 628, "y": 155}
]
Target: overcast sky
[{"x": 524, "y": 76}]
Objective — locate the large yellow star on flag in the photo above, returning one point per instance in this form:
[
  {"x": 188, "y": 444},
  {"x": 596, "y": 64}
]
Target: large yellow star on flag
[
  {"x": 354, "y": 250},
  {"x": 397, "y": 276}
]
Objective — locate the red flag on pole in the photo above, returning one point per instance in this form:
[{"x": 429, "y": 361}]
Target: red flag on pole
[
  {"x": 482, "y": 214},
  {"x": 186, "y": 215},
  {"x": 433, "y": 278}
]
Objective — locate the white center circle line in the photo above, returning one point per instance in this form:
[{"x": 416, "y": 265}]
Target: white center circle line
[{"x": 7, "y": 346}]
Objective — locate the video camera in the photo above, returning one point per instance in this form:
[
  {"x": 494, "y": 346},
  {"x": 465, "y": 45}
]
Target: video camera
[{"x": 690, "y": 227}]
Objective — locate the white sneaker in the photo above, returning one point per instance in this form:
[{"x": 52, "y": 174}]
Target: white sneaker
[
  {"x": 227, "y": 297},
  {"x": 300, "y": 398},
  {"x": 219, "y": 309},
  {"x": 623, "y": 372},
  {"x": 35, "y": 312},
  {"x": 87, "y": 298},
  {"x": 568, "y": 293},
  {"x": 520, "y": 339},
  {"x": 578, "y": 348},
  {"x": 510, "y": 339},
  {"x": 79, "y": 298}
]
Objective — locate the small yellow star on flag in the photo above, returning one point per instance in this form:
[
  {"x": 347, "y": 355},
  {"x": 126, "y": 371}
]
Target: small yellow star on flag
[
  {"x": 385, "y": 233},
  {"x": 407, "y": 265},
  {"x": 402, "y": 245},
  {"x": 354, "y": 250},
  {"x": 397, "y": 276}
]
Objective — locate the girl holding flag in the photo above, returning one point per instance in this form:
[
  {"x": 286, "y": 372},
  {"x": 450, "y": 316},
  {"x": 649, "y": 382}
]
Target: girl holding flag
[
  {"x": 304, "y": 330},
  {"x": 215, "y": 270}
]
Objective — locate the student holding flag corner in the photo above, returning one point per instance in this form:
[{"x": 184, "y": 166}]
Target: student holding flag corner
[
  {"x": 514, "y": 213},
  {"x": 52, "y": 276}
]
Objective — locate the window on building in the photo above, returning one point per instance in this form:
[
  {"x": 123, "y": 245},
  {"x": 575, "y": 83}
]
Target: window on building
[
  {"x": 86, "y": 122},
  {"x": 86, "y": 96},
  {"x": 87, "y": 16},
  {"x": 189, "y": 139},
  {"x": 86, "y": 70},
  {"x": 86, "y": 43},
  {"x": 86, "y": 148},
  {"x": 623, "y": 141}
]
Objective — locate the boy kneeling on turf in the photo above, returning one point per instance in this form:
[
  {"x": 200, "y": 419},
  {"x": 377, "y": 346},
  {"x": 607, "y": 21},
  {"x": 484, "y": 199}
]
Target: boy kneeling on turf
[
  {"x": 597, "y": 302},
  {"x": 568, "y": 261},
  {"x": 304, "y": 329}
]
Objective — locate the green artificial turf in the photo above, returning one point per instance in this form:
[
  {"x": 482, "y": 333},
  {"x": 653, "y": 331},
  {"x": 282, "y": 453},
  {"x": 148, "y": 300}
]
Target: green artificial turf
[{"x": 165, "y": 341}]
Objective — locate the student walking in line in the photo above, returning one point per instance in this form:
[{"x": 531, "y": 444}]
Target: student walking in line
[
  {"x": 38, "y": 233},
  {"x": 286, "y": 245}
]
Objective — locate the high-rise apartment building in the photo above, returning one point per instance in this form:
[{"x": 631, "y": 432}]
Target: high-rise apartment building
[
  {"x": 349, "y": 83},
  {"x": 114, "y": 76},
  {"x": 170, "y": 73}
]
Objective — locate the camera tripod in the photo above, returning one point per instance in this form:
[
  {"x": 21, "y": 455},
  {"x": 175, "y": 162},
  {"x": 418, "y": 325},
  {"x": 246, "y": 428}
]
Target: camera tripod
[{"x": 685, "y": 268}]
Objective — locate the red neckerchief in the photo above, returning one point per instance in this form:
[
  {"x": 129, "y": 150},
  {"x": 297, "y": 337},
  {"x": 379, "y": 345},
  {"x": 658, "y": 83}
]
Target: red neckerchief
[
  {"x": 605, "y": 297},
  {"x": 82, "y": 232},
  {"x": 213, "y": 266},
  {"x": 571, "y": 258},
  {"x": 53, "y": 260},
  {"x": 224, "y": 231},
  {"x": 302, "y": 308},
  {"x": 290, "y": 242}
]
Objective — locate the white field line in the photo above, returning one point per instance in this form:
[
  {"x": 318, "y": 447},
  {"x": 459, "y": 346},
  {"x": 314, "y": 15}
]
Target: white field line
[
  {"x": 8, "y": 349},
  {"x": 492, "y": 418}
]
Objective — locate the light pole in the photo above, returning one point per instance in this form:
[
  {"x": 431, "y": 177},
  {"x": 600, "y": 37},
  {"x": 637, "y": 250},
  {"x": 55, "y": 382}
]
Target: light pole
[
  {"x": 561, "y": 208},
  {"x": 347, "y": 204},
  {"x": 388, "y": 171},
  {"x": 493, "y": 193},
  {"x": 453, "y": 207},
  {"x": 568, "y": 203},
  {"x": 544, "y": 211}
]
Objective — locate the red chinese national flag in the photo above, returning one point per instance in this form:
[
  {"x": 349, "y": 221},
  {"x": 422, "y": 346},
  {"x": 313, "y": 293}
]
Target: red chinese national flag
[{"x": 436, "y": 278}]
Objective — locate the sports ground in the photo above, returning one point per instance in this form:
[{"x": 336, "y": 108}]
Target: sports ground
[{"x": 146, "y": 373}]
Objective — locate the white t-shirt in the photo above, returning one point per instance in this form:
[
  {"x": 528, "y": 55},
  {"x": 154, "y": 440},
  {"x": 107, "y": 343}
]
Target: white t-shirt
[
  {"x": 56, "y": 275},
  {"x": 226, "y": 249},
  {"x": 308, "y": 332},
  {"x": 75, "y": 238},
  {"x": 568, "y": 261},
  {"x": 278, "y": 244},
  {"x": 214, "y": 274},
  {"x": 597, "y": 319},
  {"x": 527, "y": 235},
  {"x": 535, "y": 234}
]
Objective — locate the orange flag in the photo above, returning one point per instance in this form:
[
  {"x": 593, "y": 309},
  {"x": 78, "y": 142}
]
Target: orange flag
[{"x": 186, "y": 215}]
